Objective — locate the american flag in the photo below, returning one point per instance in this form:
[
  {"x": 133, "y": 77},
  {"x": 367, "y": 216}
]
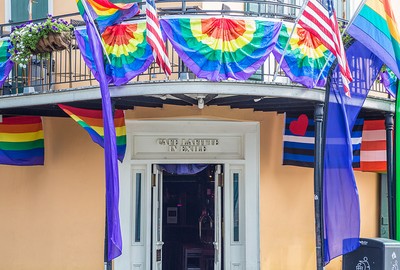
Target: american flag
[
  {"x": 320, "y": 20},
  {"x": 155, "y": 39}
]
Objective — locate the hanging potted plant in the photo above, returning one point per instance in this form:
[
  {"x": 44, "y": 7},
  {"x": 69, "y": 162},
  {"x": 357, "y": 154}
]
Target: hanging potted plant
[{"x": 39, "y": 38}]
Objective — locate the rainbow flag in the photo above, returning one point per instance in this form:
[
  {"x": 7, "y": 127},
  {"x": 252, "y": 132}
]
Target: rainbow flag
[
  {"x": 21, "y": 141},
  {"x": 107, "y": 13},
  {"x": 220, "y": 48},
  {"x": 92, "y": 122},
  {"x": 376, "y": 28},
  {"x": 5, "y": 63},
  {"x": 305, "y": 56},
  {"x": 127, "y": 48}
]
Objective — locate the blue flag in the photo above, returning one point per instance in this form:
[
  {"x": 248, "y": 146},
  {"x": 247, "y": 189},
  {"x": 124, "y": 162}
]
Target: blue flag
[{"x": 340, "y": 194}]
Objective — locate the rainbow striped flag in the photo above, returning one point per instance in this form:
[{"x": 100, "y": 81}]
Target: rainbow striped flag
[
  {"x": 376, "y": 28},
  {"x": 21, "y": 141},
  {"x": 305, "y": 56},
  {"x": 107, "y": 13},
  {"x": 127, "y": 49},
  {"x": 221, "y": 48},
  {"x": 92, "y": 122}
]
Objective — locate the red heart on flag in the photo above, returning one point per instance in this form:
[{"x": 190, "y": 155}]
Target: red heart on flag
[{"x": 299, "y": 126}]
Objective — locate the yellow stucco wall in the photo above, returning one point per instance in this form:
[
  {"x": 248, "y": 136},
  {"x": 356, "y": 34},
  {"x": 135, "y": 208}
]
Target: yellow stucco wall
[
  {"x": 53, "y": 216},
  {"x": 2, "y": 11}
]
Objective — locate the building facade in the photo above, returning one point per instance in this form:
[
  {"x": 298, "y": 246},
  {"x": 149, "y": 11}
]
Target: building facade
[{"x": 238, "y": 208}]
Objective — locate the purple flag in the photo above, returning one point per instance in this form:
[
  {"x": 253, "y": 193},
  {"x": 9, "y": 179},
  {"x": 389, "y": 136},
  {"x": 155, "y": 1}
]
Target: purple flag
[
  {"x": 184, "y": 169},
  {"x": 5, "y": 69},
  {"x": 389, "y": 80},
  {"x": 114, "y": 239},
  {"x": 6, "y": 64},
  {"x": 341, "y": 202}
]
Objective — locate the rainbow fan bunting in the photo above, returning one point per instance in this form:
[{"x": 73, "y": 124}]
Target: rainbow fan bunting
[
  {"x": 107, "y": 13},
  {"x": 220, "y": 48},
  {"x": 5, "y": 63},
  {"x": 92, "y": 122},
  {"x": 304, "y": 58},
  {"x": 21, "y": 141},
  {"x": 128, "y": 50}
]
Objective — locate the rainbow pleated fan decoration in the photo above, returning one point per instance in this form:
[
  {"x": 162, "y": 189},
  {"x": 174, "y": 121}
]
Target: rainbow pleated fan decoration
[
  {"x": 21, "y": 141},
  {"x": 220, "y": 48},
  {"x": 92, "y": 122},
  {"x": 5, "y": 62},
  {"x": 127, "y": 48},
  {"x": 107, "y": 13},
  {"x": 304, "y": 58}
]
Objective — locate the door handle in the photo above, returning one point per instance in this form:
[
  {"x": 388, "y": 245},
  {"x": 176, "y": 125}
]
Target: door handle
[{"x": 204, "y": 216}]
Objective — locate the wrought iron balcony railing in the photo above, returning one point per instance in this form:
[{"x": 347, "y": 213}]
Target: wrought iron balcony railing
[{"x": 66, "y": 69}]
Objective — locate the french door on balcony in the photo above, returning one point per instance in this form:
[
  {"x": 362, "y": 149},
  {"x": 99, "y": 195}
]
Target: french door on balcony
[{"x": 24, "y": 10}]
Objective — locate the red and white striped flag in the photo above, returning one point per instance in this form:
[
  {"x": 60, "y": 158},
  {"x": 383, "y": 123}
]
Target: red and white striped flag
[
  {"x": 155, "y": 39},
  {"x": 320, "y": 20},
  {"x": 373, "y": 146}
]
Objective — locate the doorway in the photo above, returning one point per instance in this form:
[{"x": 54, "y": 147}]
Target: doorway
[
  {"x": 147, "y": 218},
  {"x": 191, "y": 217}
]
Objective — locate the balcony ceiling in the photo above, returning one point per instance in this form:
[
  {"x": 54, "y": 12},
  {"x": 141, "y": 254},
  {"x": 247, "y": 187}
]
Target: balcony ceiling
[{"x": 236, "y": 95}]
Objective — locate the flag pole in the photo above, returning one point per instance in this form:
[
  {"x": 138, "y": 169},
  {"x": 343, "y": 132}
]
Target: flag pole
[
  {"x": 396, "y": 158},
  {"x": 97, "y": 32},
  {"x": 344, "y": 31},
  {"x": 319, "y": 112},
  {"x": 288, "y": 41},
  {"x": 389, "y": 126}
]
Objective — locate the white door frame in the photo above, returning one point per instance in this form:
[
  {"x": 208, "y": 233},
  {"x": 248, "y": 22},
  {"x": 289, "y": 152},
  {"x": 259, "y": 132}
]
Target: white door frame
[
  {"x": 242, "y": 158},
  {"x": 157, "y": 217}
]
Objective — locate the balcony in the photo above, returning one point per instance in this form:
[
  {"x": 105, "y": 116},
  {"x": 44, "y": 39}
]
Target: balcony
[{"x": 64, "y": 77}]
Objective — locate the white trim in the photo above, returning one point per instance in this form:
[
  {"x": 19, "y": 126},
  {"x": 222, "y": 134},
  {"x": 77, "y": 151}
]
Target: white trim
[
  {"x": 50, "y": 7},
  {"x": 249, "y": 245},
  {"x": 182, "y": 87},
  {"x": 134, "y": 171},
  {"x": 7, "y": 11}
]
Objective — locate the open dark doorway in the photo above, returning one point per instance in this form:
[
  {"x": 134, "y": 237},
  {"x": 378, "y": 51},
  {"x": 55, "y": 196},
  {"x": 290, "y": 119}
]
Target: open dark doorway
[{"x": 189, "y": 218}]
